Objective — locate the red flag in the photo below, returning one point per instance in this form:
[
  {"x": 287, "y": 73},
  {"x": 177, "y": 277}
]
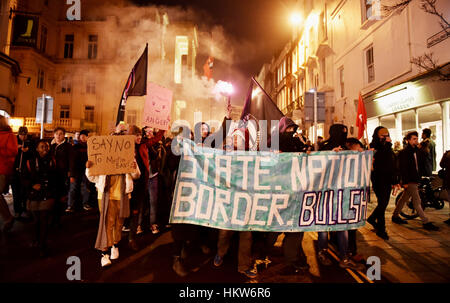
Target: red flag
[
  {"x": 361, "y": 117},
  {"x": 208, "y": 66}
]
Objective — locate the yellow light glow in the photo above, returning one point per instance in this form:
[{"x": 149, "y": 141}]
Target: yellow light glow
[
  {"x": 15, "y": 123},
  {"x": 296, "y": 18},
  {"x": 312, "y": 20}
]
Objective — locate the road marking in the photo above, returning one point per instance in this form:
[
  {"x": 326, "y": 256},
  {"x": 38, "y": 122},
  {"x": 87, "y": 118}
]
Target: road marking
[{"x": 348, "y": 270}]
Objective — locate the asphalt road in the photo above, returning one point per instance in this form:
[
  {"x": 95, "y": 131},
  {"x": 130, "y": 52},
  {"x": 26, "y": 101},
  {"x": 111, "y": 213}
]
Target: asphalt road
[{"x": 151, "y": 264}]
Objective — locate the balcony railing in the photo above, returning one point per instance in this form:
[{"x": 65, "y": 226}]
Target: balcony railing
[{"x": 67, "y": 123}]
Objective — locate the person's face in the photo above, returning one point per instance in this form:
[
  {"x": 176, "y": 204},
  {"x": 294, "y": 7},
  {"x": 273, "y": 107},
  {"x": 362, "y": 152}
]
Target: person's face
[
  {"x": 205, "y": 130},
  {"x": 354, "y": 147},
  {"x": 83, "y": 138},
  {"x": 290, "y": 129},
  {"x": 77, "y": 136},
  {"x": 138, "y": 139},
  {"x": 383, "y": 135},
  {"x": 413, "y": 141},
  {"x": 59, "y": 136},
  {"x": 42, "y": 149},
  {"x": 22, "y": 137}
]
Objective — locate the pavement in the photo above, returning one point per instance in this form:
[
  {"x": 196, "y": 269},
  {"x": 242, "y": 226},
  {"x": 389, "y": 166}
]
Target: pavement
[{"x": 411, "y": 255}]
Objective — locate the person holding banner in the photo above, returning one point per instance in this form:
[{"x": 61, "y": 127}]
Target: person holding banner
[
  {"x": 114, "y": 192},
  {"x": 336, "y": 142},
  {"x": 295, "y": 258},
  {"x": 240, "y": 138}
]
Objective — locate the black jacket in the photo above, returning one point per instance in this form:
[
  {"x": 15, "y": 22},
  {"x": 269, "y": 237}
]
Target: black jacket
[
  {"x": 61, "y": 155},
  {"x": 407, "y": 165},
  {"x": 385, "y": 163},
  {"x": 338, "y": 137},
  {"x": 42, "y": 172},
  {"x": 289, "y": 143},
  {"x": 78, "y": 159}
]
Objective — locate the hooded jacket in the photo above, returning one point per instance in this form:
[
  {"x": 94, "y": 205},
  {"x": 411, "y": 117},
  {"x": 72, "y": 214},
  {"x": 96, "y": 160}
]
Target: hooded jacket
[
  {"x": 8, "y": 151},
  {"x": 385, "y": 164},
  {"x": 289, "y": 143},
  {"x": 338, "y": 137}
]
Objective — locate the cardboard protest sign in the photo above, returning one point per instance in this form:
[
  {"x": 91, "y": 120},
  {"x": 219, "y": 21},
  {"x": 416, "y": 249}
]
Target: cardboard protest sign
[
  {"x": 265, "y": 191},
  {"x": 158, "y": 106},
  {"x": 111, "y": 155}
]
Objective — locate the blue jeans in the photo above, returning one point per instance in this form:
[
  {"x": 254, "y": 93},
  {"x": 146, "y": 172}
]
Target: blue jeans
[
  {"x": 342, "y": 239},
  {"x": 87, "y": 191},
  {"x": 153, "y": 197}
]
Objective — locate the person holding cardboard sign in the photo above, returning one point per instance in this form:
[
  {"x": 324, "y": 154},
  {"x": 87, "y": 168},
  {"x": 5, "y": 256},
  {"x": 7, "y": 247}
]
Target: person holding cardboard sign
[{"x": 114, "y": 193}]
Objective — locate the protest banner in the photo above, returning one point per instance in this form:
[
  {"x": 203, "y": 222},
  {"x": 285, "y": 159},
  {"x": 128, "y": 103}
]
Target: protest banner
[
  {"x": 158, "y": 106},
  {"x": 111, "y": 155},
  {"x": 266, "y": 191}
]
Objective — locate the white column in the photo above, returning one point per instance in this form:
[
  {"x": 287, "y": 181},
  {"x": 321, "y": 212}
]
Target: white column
[
  {"x": 446, "y": 125},
  {"x": 398, "y": 127},
  {"x": 416, "y": 115}
]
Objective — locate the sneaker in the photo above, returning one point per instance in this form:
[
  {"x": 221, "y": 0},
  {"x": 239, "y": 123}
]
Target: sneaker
[
  {"x": 430, "y": 226},
  {"x": 249, "y": 273},
  {"x": 139, "y": 230},
  {"x": 154, "y": 228},
  {"x": 323, "y": 259},
  {"x": 178, "y": 267},
  {"x": 218, "y": 260},
  {"x": 133, "y": 245},
  {"x": 205, "y": 249},
  {"x": 383, "y": 235},
  {"x": 447, "y": 222},
  {"x": 125, "y": 229},
  {"x": 399, "y": 220},
  {"x": 357, "y": 258},
  {"x": 372, "y": 222},
  {"x": 105, "y": 261},
  {"x": 69, "y": 210},
  {"x": 348, "y": 263},
  {"x": 114, "y": 253},
  {"x": 87, "y": 207}
]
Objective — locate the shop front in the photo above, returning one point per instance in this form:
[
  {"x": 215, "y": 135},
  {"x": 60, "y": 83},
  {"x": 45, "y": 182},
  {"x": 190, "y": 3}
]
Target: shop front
[{"x": 420, "y": 103}]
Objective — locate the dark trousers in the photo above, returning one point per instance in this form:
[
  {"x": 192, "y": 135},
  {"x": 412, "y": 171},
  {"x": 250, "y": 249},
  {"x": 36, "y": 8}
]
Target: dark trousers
[
  {"x": 292, "y": 248},
  {"x": 41, "y": 223},
  {"x": 61, "y": 193},
  {"x": 352, "y": 242},
  {"x": 20, "y": 189},
  {"x": 382, "y": 190},
  {"x": 85, "y": 188},
  {"x": 138, "y": 198}
]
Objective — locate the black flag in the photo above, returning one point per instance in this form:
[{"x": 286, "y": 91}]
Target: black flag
[
  {"x": 136, "y": 84},
  {"x": 259, "y": 106}
]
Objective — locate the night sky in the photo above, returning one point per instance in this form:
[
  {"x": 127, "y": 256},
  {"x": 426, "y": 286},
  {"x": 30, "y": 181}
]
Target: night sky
[{"x": 263, "y": 24}]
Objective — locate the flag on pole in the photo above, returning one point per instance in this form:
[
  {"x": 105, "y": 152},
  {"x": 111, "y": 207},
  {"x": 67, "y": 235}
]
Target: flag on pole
[
  {"x": 207, "y": 67},
  {"x": 259, "y": 106},
  {"x": 136, "y": 84},
  {"x": 361, "y": 117}
]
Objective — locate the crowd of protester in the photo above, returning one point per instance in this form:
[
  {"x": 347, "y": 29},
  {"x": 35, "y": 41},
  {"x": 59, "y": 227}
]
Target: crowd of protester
[{"x": 50, "y": 178}]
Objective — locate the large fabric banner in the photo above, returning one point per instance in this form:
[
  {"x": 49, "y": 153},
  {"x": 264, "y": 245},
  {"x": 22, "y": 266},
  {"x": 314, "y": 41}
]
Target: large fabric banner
[{"x": 265, "y": 191}]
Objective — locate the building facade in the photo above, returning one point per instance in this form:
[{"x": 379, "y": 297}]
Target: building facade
[
  {"x": 344, "y": 48},
  {"x": 84, "y": 64}
]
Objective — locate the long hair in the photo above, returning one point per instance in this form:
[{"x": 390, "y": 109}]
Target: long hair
[{"x": 4, "y": 124}]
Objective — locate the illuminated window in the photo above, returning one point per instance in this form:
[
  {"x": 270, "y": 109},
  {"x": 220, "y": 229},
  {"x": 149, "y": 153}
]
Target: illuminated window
[{"x": 181, "y": 49}]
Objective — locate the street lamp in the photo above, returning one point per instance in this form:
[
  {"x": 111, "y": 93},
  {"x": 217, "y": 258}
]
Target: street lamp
[{"x": 296, "y": 19}]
